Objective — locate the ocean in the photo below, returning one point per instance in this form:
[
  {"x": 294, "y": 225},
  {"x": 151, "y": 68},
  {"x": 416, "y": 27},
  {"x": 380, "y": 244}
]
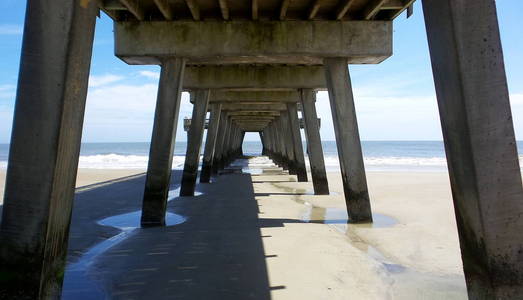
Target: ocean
[{"x": 378, "y": 155}]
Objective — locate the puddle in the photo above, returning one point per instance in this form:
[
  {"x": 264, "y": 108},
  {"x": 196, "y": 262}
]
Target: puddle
[
  {"x": 77, "y": 283},
  {"x": 404, "y": 282},
  {"x": 337, "y": 216}
]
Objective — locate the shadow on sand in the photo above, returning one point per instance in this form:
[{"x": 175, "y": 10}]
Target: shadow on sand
[{"x": 217, "y": 253}]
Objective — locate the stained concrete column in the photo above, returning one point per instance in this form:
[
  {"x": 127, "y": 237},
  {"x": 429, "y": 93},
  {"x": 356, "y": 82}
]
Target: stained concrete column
[
  {"x": 45, "y": 146},
  {"x": 299, "y": 157},
  {"x": 222, "y": 133},
  {"x": 348, "y": 140},
  {"x": 485, "y": 176},
  {"x": 314, "y": 147},
  {"x": 210, "y": 143},
  {"x": 288, "y": 143},
  {"x": 282, "y": 154},
  {"x": 162, "y": 143},
  {"x": 263, "y": 142},
  {"x": 194, "y": 142},
  {"x": 226, "y": 144}
]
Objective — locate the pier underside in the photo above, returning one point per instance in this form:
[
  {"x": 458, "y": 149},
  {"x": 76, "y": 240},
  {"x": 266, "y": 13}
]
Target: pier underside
[{"x": 256, "y": 67}]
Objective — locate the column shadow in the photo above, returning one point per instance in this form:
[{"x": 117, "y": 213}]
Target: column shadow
[{"x": 217, "y": 253}]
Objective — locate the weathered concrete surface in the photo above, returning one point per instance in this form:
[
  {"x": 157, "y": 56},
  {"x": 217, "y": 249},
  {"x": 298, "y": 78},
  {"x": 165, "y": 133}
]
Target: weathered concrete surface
[
  {"x": 210, "y": 143},
  {"x": 287, "y": 144},
  {"x": 301, "y": 170},
  {"x": 255, "y": 96},
  {"x": 315, "y": 149},
  {"x": 45, "y": 145},
  {"x": 216, "y": 165},
  {"x": 194, "y": 143},
  {"x": 250, "y": 106},
  {"x": 260, "y": 77},
  {"x": 162, "y": 142},
  {"x": 216, "y": 42},
  {"x": 473, "y": 99},
  {"x": 348, "y": 140}
]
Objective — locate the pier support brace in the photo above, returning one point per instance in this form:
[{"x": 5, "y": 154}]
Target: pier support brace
[
  {"x": 162, "y": 143},
  {"x": 315, "y": 149},
  {"x": 194, "y": 143},
  {"x": 485, "y": 176},
  {"x": 45, "y": 146},
  {"x": 210, "y": 143},
  {"x": 348, "y": 140},
  {"x": 299, "y": 157}
]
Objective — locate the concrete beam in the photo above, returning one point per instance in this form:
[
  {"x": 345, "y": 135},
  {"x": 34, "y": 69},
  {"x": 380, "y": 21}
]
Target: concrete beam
[
  {"x": 285, "y": 78},
  {"x": 238, "y": 42},
  {"x": 254, "y": 96},
  {"x": 250, "y": 106}
]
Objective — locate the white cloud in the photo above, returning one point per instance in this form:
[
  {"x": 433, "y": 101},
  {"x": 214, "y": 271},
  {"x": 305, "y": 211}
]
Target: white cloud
[
  {"x": 150, "y": 74},
  {"x": 100, "y": 80},
  {"x": 125, "y": 112},
  {"x": 11, "y": 29},
  {"x": 7, "y": 91},
  {"x": 516, "y": 99}
]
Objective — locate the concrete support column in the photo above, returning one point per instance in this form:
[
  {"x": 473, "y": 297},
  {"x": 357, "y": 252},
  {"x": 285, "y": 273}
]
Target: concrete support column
[
  {"x": 45, "y": 146},
  {"x": 227, "y": 144},
  {"x": 280, "y": 139},
  {"x": 210, "y": 143},
  {"x": 162, "y": 143},
  {"x": 314, "y": 147},
  {"x": 216, "y": 165},
  {"x": 348, "y": 140},
  {"x": 194, "y": 142},
  {"x": 263, "y": 142},
  {"x": 485, "y": 176},
  {"x": 299, "y": 157},
  {"x": 288, "y": 143}
]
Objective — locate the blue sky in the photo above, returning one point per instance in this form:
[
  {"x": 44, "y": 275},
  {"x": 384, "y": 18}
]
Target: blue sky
[{"x": 395, "y": 100}]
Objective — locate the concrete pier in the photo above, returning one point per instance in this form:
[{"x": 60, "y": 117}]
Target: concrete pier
[
  {"x": 45, "y": 146},
  {"x": 473, "y": 99},
  {"x": 194, "y": 143},
  {"x": 220, "y": 143},
  {"x": 301, "y": 169},
  {"x": 315, "y": 149},
  {"x": 162, "y": 142},
  {"x": 348, "y": 140},
  {"x": 210, "y": 143}
]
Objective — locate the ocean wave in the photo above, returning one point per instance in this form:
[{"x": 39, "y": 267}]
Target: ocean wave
[{"x": 118, "y": 161}]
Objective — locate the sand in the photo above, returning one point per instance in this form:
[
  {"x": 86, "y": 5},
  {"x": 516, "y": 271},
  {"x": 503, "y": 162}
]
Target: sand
[
  {"x": 266, "y": 236},
  {"x": 86, "y": 177}
]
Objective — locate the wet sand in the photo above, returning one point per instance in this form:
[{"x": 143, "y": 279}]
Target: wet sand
[{"x": 261, "y": 235}]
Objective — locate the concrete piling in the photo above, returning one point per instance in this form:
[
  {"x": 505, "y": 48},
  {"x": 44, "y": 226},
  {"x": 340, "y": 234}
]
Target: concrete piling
[
  {"x": 315, "y": 149},
  {"x": 485, "y": 176},
  {"x": 194, "y": 143},
  {"x": 162, "y": 143},
  {"x": 348, "y": 140},
  {"x": 210, "y": 143},
  {"x": 299, "y": 157},
  {"x": 45, "y": 147}
]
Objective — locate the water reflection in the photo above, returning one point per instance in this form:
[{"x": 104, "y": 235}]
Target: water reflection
[{"x": 77, "y": 283}]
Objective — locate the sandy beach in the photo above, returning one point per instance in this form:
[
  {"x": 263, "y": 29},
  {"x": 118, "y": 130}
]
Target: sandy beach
[{"x": 271, "y": 238}]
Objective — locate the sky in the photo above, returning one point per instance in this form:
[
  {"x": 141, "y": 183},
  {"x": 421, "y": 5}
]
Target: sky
[{"x": 395, "y": 100}]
